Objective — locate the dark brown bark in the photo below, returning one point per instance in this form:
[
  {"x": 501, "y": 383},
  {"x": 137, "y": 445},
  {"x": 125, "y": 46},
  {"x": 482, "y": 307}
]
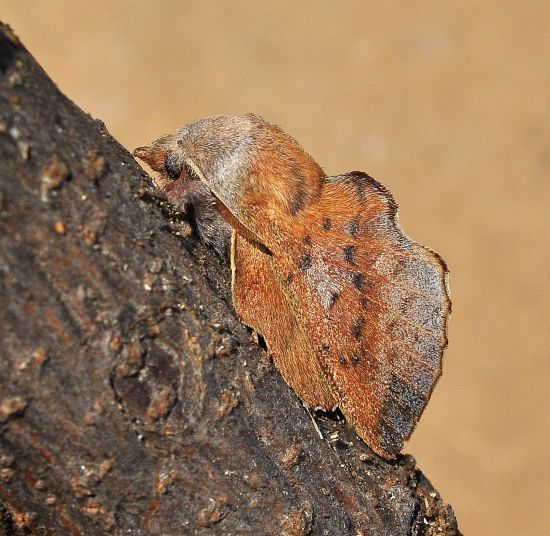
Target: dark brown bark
[{"x": 132, "y": 401}]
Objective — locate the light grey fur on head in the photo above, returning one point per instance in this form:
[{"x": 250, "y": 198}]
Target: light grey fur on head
[{"x": 220, "y": 150}]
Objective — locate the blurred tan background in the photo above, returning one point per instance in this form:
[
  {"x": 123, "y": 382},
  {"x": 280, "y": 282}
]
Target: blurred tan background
[{"x": 447, "y": 103}]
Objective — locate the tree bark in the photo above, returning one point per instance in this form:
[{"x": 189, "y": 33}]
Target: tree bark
[{"x": 132, "y": 401}]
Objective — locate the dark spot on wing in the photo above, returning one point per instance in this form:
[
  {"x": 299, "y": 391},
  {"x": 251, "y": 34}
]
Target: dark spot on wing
[
  {"x": 307, "y": 240},
  {"x": 355, "y": 359},
  {"x": 353, "y": 227},
  {"x": 325, "y": 348},
  {"x": 358, "y": 281},
  {"x": 343, "y": 360},
  {"x": 333, "y": 297},
  {"x": 361, "y": 183},
  {"x": 305, "y": 262},
  {"x": 298, "y": 201},
  {"x": 364, "y": 303},
  {"x": 349, "y": 251},
  {"x": 289, "y": 278},
  {"x": 357, "y": 329},
  {"x": 327, "y": 224}
]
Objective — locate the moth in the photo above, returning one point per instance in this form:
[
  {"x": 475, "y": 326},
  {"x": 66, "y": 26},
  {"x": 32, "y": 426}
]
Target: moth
[{"x": 354, "y": 313}]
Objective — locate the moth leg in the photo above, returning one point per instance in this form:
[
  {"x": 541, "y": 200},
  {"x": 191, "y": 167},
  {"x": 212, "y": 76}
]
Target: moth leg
[
  {"x": 262, "y": 305},
  {"x": 152, "y": 193},
  {"x": 194, "y": 198}
]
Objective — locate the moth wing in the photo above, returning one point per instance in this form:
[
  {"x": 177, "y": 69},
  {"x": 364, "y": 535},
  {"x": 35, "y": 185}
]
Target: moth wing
[
  {"x": 261, "y": 304},
  {"x": 375, "y": 305}
]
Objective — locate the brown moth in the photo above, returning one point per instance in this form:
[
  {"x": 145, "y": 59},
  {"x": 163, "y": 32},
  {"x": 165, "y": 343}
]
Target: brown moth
[{"x": 353, "y": 312}]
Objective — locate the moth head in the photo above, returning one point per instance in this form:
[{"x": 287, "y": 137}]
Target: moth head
[
  {"x": 161, "y": 157},
  {"x": 257, "y": 171}
]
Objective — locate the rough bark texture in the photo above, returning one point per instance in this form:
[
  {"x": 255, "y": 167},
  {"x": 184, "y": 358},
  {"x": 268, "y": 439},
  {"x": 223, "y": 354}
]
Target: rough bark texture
[{"x": 132, "y": 401}]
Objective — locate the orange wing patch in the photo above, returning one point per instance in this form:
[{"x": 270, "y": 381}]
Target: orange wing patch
[
  {"x": 374, "y": 305},
  {"x": 260, "y": 302}
]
